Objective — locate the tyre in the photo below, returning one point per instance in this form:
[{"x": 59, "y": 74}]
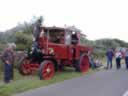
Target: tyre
[
  {"x": 46, "y": 70},
  {"x": 23, "y": 66},
  {"x": 82, "y": 65}
]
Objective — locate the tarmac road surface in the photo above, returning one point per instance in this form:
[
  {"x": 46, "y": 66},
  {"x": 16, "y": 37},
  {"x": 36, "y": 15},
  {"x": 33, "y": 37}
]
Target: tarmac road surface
[{"x": 103, "y": 83}]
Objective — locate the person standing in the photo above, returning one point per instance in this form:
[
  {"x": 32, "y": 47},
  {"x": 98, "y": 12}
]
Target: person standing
[
  {"x": 126, "y": 58},
  {"x": 8, "y": 60},
  {"x": 37, "y": 28},
  {"x": 37, "y": 32},
  {"x": 109, "y": 55},
  {"x": 118, "y": 57}
]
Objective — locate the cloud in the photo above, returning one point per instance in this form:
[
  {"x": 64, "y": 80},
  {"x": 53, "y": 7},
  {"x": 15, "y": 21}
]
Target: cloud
[{"x": 96, "y": 18}]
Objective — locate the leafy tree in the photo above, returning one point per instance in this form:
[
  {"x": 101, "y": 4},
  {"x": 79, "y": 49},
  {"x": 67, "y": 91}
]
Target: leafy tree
[{"x": 22, "y": 39}]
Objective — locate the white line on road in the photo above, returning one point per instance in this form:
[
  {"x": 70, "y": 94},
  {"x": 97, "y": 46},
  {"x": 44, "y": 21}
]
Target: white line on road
[{"x": 126, "y": 93}]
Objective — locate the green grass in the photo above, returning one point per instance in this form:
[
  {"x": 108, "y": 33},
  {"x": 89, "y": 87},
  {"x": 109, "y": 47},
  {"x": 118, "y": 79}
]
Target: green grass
[{"x": 22, "y": 83}]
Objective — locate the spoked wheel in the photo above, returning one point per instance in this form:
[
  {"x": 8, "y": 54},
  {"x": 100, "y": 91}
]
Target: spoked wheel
[
  {"x": 83, "y": 64},
  {"x": 46, "y": 70},
  {"x": 24, "y": 66}
]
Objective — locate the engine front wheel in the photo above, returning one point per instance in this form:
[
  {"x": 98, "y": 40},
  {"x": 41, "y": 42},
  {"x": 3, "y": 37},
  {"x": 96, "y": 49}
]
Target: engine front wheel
[{"x": 46, "y": 70}]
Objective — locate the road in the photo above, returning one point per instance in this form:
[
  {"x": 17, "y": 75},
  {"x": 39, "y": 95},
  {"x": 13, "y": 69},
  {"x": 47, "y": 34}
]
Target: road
[{"x": 103, "y": 83}]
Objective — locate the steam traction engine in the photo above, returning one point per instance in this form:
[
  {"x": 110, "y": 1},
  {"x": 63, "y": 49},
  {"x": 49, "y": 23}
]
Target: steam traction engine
[{"x": 57, "y": 47}]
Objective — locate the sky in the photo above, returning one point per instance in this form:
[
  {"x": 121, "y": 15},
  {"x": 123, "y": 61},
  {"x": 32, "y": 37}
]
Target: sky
[{"x": 96, "y": 18}]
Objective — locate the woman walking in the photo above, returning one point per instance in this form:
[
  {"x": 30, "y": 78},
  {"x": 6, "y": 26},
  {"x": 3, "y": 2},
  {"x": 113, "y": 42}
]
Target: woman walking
[{"x": 118, "y": 57}]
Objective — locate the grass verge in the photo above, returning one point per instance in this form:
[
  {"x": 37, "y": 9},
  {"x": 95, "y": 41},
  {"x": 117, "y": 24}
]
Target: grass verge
[{"x": 22, "y": 83}]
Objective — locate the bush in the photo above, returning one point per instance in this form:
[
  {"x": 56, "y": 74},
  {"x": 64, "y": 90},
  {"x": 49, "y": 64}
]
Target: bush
[
  {"x": 23, "y": 41},
  {"x": 99, "y": 54},
  {"x": 20, "y": 47},
  {"x": 2, "y": 46}
]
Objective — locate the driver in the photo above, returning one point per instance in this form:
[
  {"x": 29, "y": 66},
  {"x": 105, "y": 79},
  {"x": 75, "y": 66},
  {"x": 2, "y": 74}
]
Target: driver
[{"x": 74, "y": 38}]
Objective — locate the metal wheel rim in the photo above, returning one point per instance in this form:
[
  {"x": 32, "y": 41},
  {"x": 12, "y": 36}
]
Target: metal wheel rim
[
  {"x": 48, "y": 71},
  {"x": 25, "y": 67}
]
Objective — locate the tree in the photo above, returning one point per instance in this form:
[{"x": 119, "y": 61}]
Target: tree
[{"x": 23, "y": 41}]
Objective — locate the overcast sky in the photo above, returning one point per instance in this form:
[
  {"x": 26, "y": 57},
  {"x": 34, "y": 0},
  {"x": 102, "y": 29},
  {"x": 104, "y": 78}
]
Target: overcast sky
[{"x": 96, "y": 18}]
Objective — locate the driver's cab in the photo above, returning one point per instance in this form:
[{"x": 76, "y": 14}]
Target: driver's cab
[{"x": 61, "y": 35}]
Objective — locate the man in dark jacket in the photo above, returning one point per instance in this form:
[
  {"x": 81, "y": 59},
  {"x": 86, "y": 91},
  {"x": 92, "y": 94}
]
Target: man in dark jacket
[
  {"x": 8, "y": 59},
  {"x": 37, "y": 29},
  {"x": 109, "y": 55}
]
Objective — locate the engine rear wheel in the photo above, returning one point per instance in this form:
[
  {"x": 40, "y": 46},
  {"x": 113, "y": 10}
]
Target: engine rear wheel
[
  {"x": 82, "y": 65},
  {"x": 23, "y": 66},
  {"x": 46, "y": 70}
]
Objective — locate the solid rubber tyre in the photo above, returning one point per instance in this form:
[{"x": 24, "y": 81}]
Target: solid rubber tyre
[
  {"x": 23, "y": 66},
  {"x": 46, "y": 70},
  {"x": 82, "y": 65}
]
